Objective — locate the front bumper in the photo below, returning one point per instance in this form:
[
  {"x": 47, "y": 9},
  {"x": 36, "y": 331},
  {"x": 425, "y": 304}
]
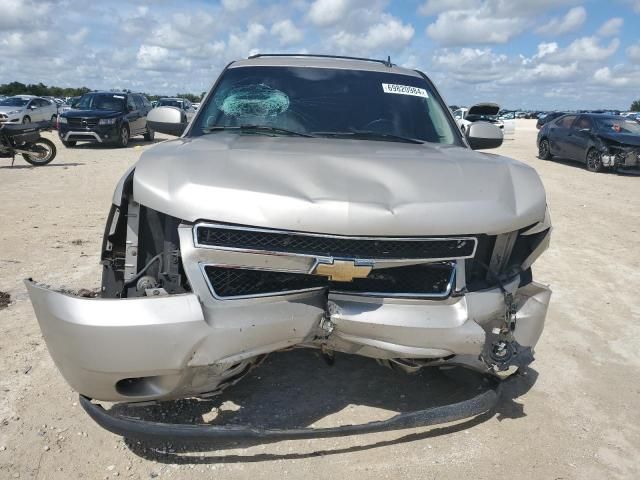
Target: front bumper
[
  {"x": 167, "y": 347},
  {"x": 97, "y": 134}
]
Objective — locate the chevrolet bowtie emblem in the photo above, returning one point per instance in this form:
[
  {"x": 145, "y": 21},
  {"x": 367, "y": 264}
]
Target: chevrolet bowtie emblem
[{"x": 342, "y": 270}]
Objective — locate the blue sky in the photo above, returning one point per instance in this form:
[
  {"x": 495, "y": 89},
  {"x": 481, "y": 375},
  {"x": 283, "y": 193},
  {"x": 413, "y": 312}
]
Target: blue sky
[{"x": 550, "y": 54}]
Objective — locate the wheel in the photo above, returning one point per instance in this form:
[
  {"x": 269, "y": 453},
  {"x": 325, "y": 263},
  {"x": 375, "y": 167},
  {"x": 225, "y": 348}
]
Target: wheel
[
  {"x": 69, "y": 143},
  {"x": 54, "y": 120},
  {"x": 149, "y": 135},
  {"x": 594, "y": 161},
  {"x": 26, "y": 119},
  {"x": 544, "y": 151},
  {"x": 44, "y": 151},
  {"x": 123, "y": 139}
]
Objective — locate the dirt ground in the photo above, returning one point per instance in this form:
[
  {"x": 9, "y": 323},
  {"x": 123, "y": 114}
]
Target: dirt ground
[{"x": 573, "y": 415}]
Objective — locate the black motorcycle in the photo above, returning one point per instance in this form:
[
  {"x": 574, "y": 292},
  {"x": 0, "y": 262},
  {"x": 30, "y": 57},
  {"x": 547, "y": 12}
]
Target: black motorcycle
[{"x": 25, "y": 139}]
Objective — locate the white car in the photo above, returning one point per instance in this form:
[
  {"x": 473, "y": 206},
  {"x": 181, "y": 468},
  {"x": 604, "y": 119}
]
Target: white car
[
  {"x": 27, "y": 109},
  {"x": 483, "y": 112},
  {"x": 182, "y": 103}
]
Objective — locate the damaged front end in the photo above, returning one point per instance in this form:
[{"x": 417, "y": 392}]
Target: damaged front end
[
  {"x": 189, "y": 308},
  {"x": 619, "y": 156}
]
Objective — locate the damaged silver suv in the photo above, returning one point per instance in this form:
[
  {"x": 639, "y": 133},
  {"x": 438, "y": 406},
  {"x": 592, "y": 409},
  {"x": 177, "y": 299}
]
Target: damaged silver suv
[{"x": 319, "y": 202}]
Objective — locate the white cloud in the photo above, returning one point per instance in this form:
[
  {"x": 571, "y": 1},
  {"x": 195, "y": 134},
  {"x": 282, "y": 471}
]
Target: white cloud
[
  {"x": 152, "y": 57},
  {"x": 611, "y": 27},
  {"x": 246, "y": 43},
  {"x": 78, "y": 37},
  {"x": 471, "y": 65},
  {"x": 459, "y": 27},
  {"x": 328, "y": 12},
  {"x": 434, "y": 7},
  {"x": 391, "y": 34},
  {"x": 633, "y": 53},
  {"x": 634, "y": 4},
  {"x": 236, "y": 5},
  {"x": 23, "y": 14},
  {"x": 604, "y": 76},
  {"x": 287, "y": 32},
  {"x": 586, "y": 49},
  {"x": 561, "y": 25}
]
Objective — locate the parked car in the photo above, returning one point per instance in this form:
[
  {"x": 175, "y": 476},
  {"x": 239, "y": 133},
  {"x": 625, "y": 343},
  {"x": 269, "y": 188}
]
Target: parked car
[
  {"x": 27, "y": 109},
  {"x": 69, "y": 104},
  {"x": 106, "y": 117},
  {"x": 328, "y": 203},
  {"x": 600, "y": 141},
  {"x": 547, "y": 118},
  {"x": 483, "y": 112},
  {"x": 181, "y": 103}
]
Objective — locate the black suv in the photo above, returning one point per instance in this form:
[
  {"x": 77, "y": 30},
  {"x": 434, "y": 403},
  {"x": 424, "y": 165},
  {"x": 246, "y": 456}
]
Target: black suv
[{"x": 106, "y": 117}]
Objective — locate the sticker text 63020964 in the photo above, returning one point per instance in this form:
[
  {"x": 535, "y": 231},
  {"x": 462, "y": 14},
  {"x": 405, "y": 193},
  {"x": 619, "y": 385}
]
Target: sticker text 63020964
[{"x": 404, "y": 90}]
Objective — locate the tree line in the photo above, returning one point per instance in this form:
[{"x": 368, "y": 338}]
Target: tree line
[{"x": 42, "y": 90}]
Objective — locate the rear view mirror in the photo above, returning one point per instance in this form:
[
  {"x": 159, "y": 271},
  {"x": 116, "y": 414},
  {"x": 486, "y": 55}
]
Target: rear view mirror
[
  {"x": 484, "y": 135},
  {"x": 169, "y": 120}
]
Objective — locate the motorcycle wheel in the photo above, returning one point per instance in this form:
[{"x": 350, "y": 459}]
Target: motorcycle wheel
[{"x": 44, "y": 151}]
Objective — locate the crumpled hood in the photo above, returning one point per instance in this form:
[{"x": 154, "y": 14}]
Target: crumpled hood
[
  {"x": 622, "y": 138},
  {"x": 346, "y": 187}
]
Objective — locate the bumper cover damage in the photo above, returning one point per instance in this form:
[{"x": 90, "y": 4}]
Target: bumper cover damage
[{"x": 173, "y": 346}]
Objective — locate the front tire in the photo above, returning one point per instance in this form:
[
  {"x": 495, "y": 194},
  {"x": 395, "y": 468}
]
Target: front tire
[
  {"x": 149, "y": 135},
  {"x": 44, "y": 152},
  {"x": 69, "y": 143},
  {"x": 123, "y": 138},
  {"x": 26, "y": 120},
  {"x": 594, "y": 161},
  {"x": 544, "y": 150}
]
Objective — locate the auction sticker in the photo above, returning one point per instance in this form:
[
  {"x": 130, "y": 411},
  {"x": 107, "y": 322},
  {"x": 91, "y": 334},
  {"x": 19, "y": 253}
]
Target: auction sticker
[{"x": 404, "y": 90}]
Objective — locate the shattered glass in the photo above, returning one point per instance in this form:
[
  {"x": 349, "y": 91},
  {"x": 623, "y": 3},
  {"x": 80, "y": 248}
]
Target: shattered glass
[{"x": 256, "y": 100}]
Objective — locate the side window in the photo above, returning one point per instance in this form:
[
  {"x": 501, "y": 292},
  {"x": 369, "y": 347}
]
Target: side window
[
  {"x": 566, "y": 121},
  {"x": 457, "y": 114},
  {"x": 139, "y": 103},
  {"x": 145, "y": 101},
  {"x": 583, "y": 123},
  {"x": 131, "y": 105}
]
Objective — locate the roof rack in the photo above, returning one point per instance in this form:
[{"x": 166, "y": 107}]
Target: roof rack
[{"x": 386, "y": 63}]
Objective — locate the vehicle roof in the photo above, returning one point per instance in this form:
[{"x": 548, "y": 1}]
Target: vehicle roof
[
  {"x": 24, "y": 96},
  {"x": 172, "y": 98},
  {"x": 323, "y": 62}
]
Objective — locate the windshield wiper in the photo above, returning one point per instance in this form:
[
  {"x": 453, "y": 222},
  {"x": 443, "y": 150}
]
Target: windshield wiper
[
  {"x": 255, "y": 128},
  {"x": 370, "y": 134}
]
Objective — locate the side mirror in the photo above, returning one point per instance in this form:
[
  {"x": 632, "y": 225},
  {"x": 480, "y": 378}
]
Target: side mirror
[
  {"x": 32, "y": 107},
  {"x": 169, "y": 120},
  {"x": 130, "y": 108},
  {"x": 484, "y": 135}
]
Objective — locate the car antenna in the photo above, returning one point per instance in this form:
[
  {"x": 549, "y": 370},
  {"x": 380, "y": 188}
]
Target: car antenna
[{"x": 389, "y": 64}]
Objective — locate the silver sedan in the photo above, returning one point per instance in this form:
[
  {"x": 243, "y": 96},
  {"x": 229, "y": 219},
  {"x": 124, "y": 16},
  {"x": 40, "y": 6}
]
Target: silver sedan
[{"x": 27, "y": 109}]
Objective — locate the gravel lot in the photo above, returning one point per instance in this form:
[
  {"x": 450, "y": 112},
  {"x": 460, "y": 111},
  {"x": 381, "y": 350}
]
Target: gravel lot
[{"x": 573, "y": 415}]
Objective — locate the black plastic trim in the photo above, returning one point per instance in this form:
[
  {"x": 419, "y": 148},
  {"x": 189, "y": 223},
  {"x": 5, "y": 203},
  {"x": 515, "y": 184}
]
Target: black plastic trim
[{"x": 147, "y": 430}]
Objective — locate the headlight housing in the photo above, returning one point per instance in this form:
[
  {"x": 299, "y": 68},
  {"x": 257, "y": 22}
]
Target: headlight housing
[
  {"x": 107, "y": 121},
  {"x": 62, "y": 120},
  {"x": 13, "y": 112}
]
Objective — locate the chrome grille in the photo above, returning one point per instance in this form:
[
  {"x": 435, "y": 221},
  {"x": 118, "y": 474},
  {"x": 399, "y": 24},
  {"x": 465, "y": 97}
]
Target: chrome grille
[
  {"x": 82, "y": 122},
  {"x": 425, "y": 280},
  {"x": 316, "y": 245}
]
